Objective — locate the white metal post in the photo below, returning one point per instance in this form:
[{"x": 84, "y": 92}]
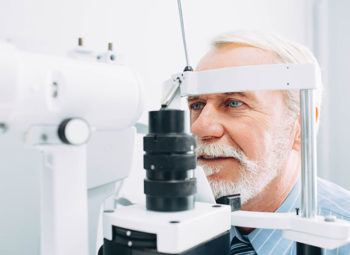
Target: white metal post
[{"x": 308, "y": 154}]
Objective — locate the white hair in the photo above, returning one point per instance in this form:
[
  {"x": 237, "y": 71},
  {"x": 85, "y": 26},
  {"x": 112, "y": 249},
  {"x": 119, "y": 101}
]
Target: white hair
[{"x": 287, "y": 51}]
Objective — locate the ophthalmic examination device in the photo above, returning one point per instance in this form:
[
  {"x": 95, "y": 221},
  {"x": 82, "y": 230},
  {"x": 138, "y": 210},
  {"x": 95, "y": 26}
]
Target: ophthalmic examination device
[{"x": 58, "y": 104}]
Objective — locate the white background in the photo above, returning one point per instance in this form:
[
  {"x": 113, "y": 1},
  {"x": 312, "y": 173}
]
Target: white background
[
  {"x": 334, "y": 44},
  {"x": 146, "y": 34}
]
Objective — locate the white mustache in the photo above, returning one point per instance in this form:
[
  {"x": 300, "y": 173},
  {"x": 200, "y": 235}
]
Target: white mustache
[
  {"x": 219, "y": 150},
  {"x": 223, "y": 150}
]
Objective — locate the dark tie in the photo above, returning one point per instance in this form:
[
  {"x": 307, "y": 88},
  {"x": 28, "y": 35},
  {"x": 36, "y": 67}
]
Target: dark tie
[{"x": 241, "y": 248}]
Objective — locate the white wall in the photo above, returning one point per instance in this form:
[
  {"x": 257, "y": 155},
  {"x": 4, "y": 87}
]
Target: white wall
[
  {"x": 334, "y": 133},
  {"x": 147, "y": 34}
]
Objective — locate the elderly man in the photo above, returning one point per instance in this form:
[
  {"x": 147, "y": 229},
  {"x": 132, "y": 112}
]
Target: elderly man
[{"x": 249, "y": 142}]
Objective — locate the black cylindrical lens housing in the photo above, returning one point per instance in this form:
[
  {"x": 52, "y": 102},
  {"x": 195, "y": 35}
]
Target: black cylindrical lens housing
[{"x": 169, "y": 161}]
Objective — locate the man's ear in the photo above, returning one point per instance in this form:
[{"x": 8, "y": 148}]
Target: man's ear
[
  {"x": 297, "y": 134},
  {"x": 297, "y": 130},
  {"x": 317, "y": 114}
]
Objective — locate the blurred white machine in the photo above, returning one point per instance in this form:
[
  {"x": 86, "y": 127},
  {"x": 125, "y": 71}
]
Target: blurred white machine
[{"x": 60, "y": 105}]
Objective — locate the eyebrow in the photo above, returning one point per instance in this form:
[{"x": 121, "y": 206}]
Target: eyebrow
[{"x": 242, "y": 94}]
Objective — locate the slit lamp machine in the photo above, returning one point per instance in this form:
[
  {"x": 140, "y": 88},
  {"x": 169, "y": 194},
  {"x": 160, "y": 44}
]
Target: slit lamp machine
[{"x": 58, "y": 104}]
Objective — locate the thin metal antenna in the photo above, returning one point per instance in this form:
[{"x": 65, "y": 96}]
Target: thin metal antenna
[
  {"x": 173, "y": 91},
  {"x": 183, "y": 32}
]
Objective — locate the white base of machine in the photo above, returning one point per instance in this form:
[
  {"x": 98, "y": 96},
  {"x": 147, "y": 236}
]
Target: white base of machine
[
  {"x": 176, "y": 232},
  {"x": 328, "y": 233}
]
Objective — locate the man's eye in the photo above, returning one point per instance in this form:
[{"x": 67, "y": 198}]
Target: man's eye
[
  {"x": 234, "y": 103},
  {"x": 197, "y": 106}
]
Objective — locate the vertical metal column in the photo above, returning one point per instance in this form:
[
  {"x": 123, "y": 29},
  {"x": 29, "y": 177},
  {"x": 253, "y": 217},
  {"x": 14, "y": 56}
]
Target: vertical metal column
[
  {"x": 308, "y": 164},
  {"x": 308, "y": 154}
]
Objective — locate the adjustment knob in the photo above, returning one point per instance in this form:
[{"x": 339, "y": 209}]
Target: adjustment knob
[{"x": 74, "y": 131}]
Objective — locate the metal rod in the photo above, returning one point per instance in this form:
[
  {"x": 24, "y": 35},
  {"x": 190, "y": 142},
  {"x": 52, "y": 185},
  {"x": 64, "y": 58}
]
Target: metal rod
[
  {"x": 169, "y": 97},
  {"x": 173, "y": 91},
  {"x": 80, "y": 41},
  {"x": 308, "y": 154},
  {"x": 183, "y": 31}
]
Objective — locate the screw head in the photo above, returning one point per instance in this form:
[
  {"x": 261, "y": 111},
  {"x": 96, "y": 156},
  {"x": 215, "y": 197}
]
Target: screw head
[
  {"x": 80, "y": 41},
  {"x": 44, "y": 137},
  {"x": 110, "y": 46},
  {"x": 3, "y": 128}
]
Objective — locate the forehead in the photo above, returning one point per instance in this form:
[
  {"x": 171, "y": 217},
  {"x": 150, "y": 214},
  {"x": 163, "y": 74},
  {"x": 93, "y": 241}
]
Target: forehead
[
  {"x": 230, "y": 55},
  {"x": 236, "y": 55}
]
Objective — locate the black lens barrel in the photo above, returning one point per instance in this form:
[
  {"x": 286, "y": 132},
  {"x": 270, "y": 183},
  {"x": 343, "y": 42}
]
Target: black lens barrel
[{"x": 169, "y": 161}]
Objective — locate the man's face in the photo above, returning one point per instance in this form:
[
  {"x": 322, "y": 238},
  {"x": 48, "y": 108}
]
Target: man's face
[{"x": 243, "y": 138}]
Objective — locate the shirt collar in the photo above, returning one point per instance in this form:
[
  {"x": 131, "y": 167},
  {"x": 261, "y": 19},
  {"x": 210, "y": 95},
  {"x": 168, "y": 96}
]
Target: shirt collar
[{"x": 259, "y": 237}]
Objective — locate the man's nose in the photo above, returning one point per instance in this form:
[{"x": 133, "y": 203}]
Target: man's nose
[{"x": 208, "y": 125}]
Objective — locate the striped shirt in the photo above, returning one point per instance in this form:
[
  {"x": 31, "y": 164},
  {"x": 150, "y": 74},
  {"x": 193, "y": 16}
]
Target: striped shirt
[{"x": 332, "y": 200}]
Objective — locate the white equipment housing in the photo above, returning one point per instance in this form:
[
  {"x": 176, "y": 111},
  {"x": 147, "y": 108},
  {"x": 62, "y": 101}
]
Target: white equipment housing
[
  {"x": 249, "y": 78},
  {"x": 176, "y": 231},
  {"x": 40, "y": 92},
  {"x": 42, "y": 89}
]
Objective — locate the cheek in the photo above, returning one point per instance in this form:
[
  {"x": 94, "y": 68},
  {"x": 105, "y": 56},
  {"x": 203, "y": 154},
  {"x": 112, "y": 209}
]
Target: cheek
[
  {"x": 254, "y": 132},
  {"x": 193, "y": 117},
  {"x": 252, "y": 136}
]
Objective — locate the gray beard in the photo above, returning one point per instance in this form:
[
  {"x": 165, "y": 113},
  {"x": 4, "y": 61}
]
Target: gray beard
[{"x": 254, "y": 176}]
